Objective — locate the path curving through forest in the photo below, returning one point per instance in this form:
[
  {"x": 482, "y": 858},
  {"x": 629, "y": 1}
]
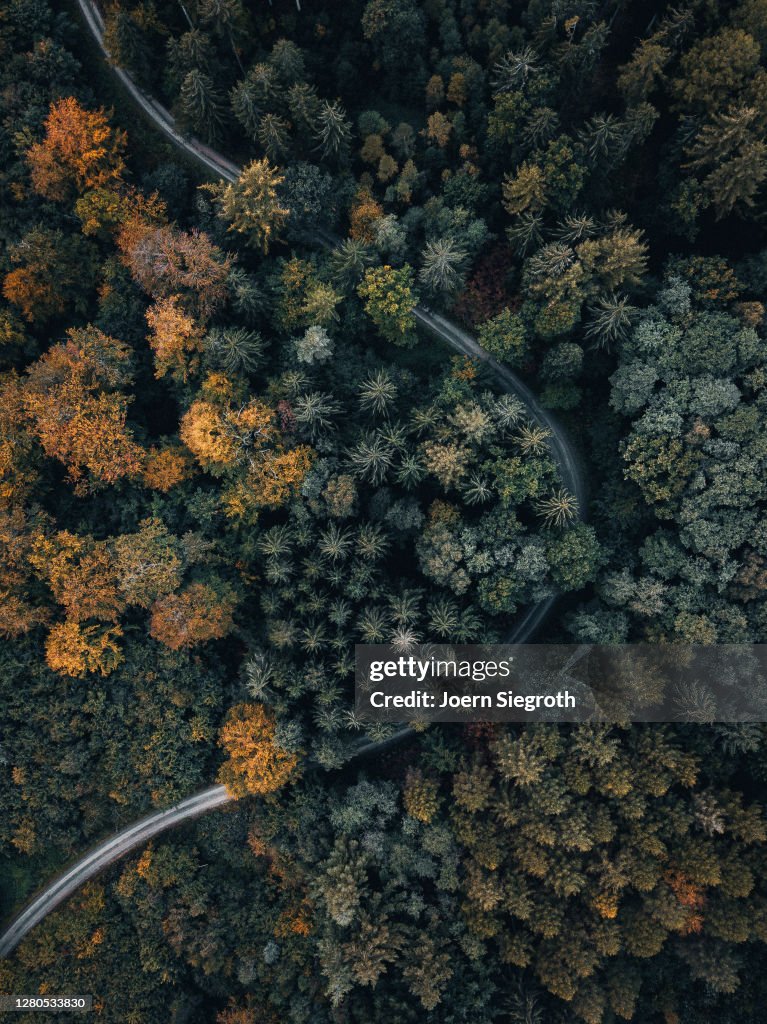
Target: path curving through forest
[{"x": 563, "y": 453}]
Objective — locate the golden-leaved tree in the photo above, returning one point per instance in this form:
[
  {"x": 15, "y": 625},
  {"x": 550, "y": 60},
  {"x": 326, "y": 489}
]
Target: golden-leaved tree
[
  {"x": 80, "y": 151},
  {"x": 243, "y": 442},
  {"x": 175, "y": 338},
  {"x": 73, "y": 649},
  {"x": 76, "y": 413},
  {"x": 256, "y": 765}
]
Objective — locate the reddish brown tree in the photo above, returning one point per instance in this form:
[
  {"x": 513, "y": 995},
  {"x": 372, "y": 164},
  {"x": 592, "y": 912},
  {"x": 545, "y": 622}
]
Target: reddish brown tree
[
  {"x": 199, "y": 613},
  {"x": 166, "y": 261}
]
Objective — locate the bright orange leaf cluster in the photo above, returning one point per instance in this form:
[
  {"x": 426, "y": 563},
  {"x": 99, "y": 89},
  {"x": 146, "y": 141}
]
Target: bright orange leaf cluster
[
  {"x": 80, "y": 151},
  {"x": 165, "y": 467},
  {"x": 690, "y": 896},
  {"x": 255, "y": 765},
  {"x": 75, "y": 419},
  {"x": 75, "y": 650}
]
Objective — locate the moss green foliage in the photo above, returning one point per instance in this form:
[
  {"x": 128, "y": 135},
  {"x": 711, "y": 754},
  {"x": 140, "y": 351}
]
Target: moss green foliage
[
  {"x": 505, "y": 337},
  {"x": 584, "y": 874},
  {"x": 389, "y": 302}
]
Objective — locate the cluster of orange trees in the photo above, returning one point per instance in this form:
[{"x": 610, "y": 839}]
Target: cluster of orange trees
[{"x": 71, "y": 407}]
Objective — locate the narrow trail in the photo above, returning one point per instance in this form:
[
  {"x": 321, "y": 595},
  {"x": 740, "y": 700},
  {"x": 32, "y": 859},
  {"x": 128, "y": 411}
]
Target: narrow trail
[{"x": 563, "y": 453}]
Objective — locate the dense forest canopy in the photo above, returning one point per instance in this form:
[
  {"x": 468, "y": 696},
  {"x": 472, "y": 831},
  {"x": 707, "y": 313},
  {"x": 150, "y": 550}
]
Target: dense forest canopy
[{"x": 228, "y": 453}]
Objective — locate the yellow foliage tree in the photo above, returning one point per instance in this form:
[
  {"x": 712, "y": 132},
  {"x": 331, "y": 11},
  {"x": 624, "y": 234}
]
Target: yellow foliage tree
[
  {"x": 269, "y": 483},
  {"x": 81, "y": 574},
  {"x": 255, "y": 765},
  {"x": 100, "y": 211},
  {"x": 420, "y": 796},
  {"x": 438, "y": 129},
  {"x": 75, "y": 650},
  {"x": 205, "y": 432},
  {"x": 175, "y": 338}
]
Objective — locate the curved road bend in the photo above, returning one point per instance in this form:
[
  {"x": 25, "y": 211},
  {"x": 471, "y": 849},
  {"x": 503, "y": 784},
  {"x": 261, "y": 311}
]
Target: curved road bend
[
  {"x": 216, "y": 796},
  {"x": 102, "y": 855},
  {"x": 437, "y": 324},
  {"x": 137, "y": 834}
]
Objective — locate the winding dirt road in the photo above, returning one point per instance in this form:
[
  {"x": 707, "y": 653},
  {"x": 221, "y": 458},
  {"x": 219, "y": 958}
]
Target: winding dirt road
[{"x": 562, "y": 451}]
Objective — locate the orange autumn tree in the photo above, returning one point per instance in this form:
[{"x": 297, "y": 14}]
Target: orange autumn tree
[
  {"x": 166, "y": 466},
  {"x": 364, "y": 213},
  {"x": 140, "y": 214},
  {"x": 690, "y": 898},
  {"x": 52, "y": 273},
  {"x": 199, "y": 613},
  {"x": 94, "y": 581},
  {"x": 255, "y": 765},
  {"x": 74, "y": 412},
  {"x": 80, "y": 151},
  {"x": 75, "y": 650},
  {"x": 269, "y": 482},
  {"x": 175, "y": 339},
  {"x": 81, "y": 574},
  {"x": 94, "y": 440},
  {"x": 244, "y": 442},
  {"x": 213, "y": 434},
  {"x": 234, "y": 1014}
]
